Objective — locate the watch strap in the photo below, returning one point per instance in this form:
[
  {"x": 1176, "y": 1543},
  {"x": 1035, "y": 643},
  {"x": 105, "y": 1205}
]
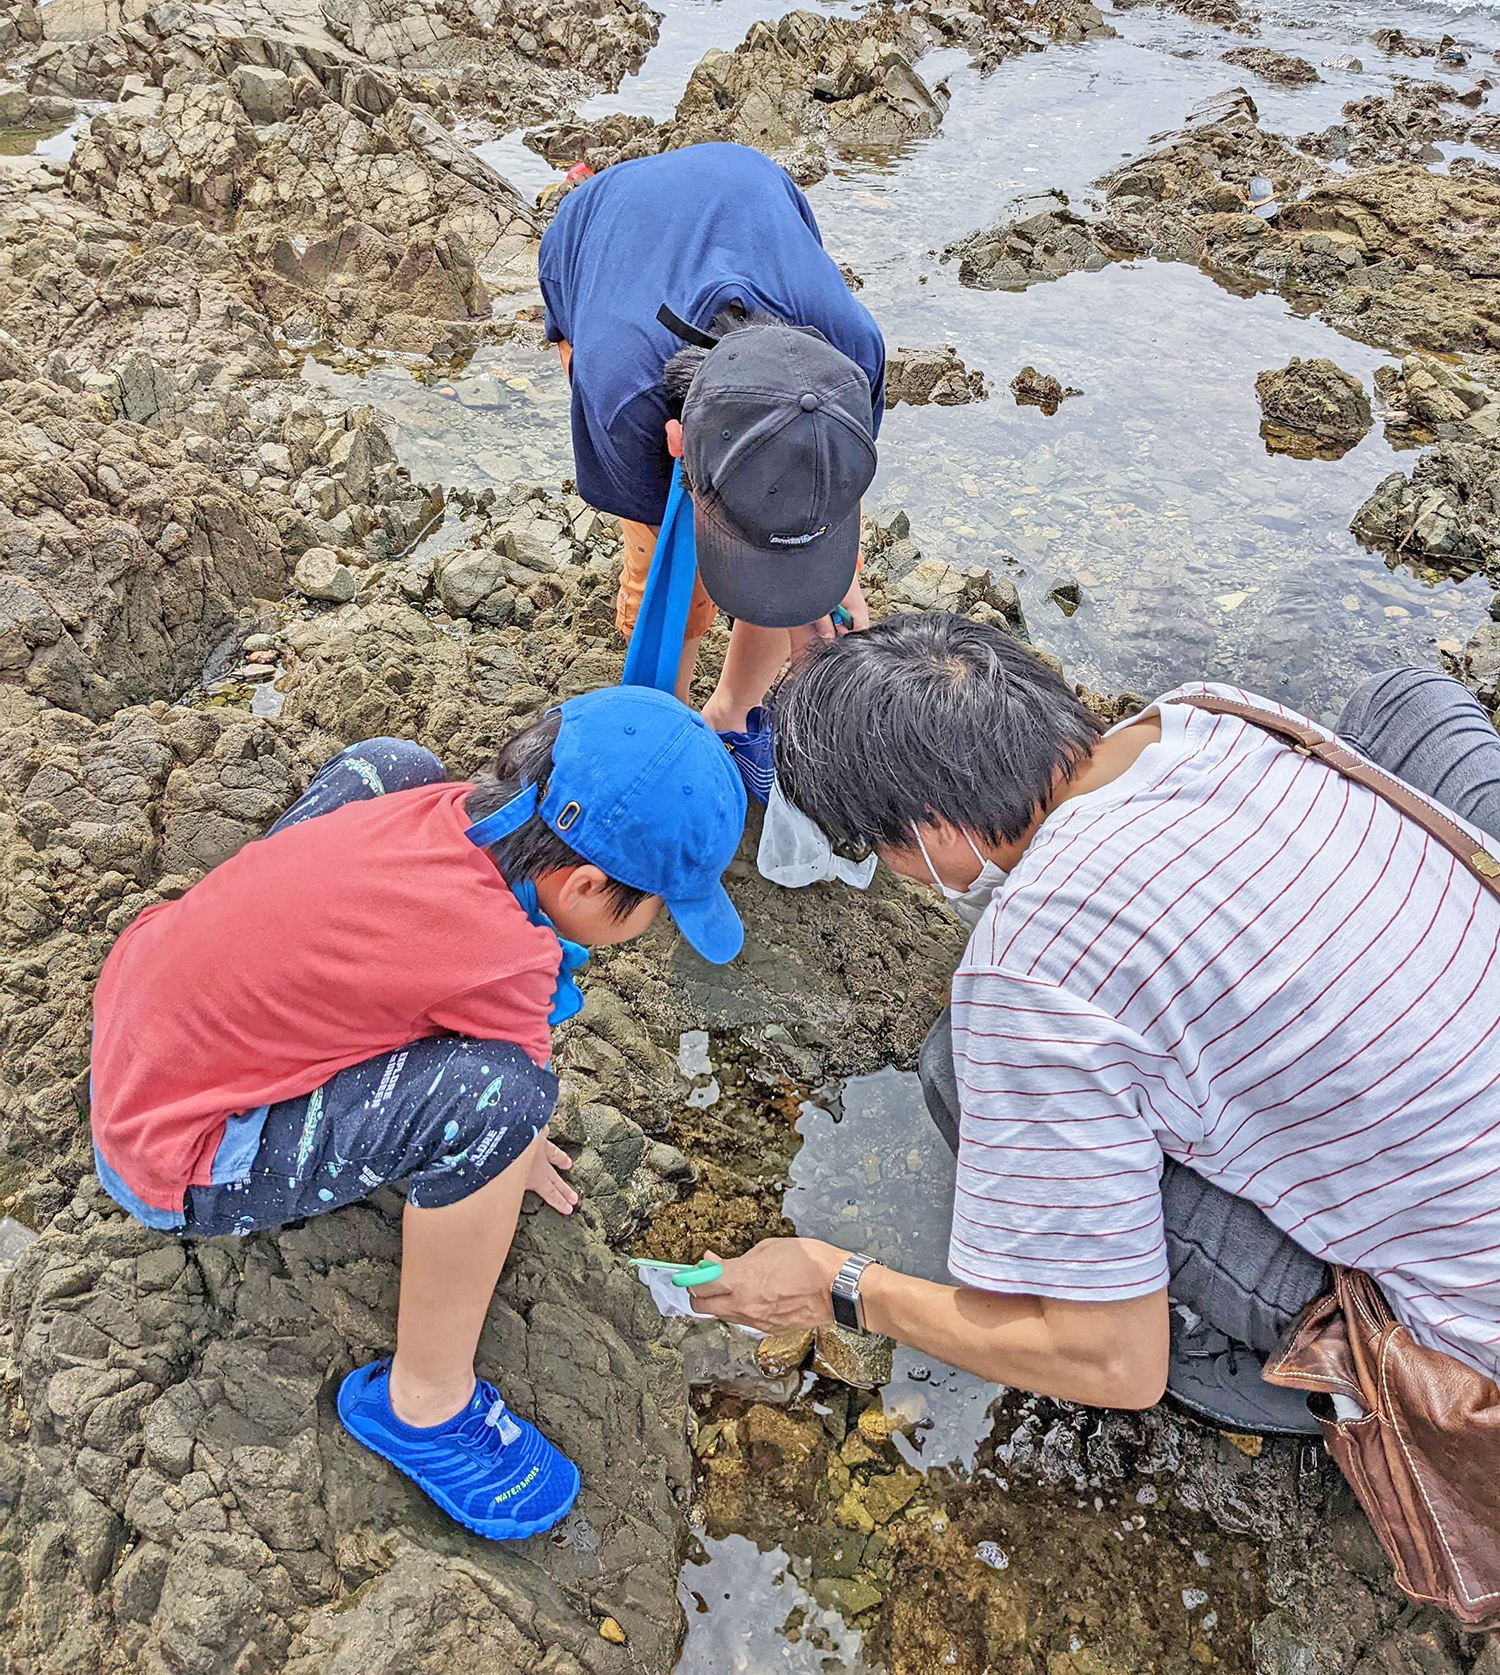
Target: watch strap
[{"x": 847, "y": 1310}]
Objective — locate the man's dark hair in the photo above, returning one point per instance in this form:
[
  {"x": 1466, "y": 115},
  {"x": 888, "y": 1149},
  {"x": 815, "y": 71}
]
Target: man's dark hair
[
  {"x": 679, "y": 372},
  {"x": 923, "y": 718},
  {"x": 526, "y": 759}
]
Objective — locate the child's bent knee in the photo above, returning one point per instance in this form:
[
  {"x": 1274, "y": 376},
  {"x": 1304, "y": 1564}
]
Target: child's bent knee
[{"x": 489, "y": 1105}]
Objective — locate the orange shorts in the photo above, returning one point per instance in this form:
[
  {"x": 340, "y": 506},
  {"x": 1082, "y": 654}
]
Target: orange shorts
[{"x": 640, "y": 543}]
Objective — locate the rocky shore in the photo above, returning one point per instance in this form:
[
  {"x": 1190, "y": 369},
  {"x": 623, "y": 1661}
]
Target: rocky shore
[{"x": 213, "y": 575}]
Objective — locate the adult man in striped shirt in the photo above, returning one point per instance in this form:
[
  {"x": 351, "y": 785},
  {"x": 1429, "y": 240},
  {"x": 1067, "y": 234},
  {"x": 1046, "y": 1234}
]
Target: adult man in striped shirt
[{"x": 1225, "y": 1017}]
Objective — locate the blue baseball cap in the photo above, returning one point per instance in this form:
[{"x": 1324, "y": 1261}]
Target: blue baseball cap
[{"x": 643, "y": 789}]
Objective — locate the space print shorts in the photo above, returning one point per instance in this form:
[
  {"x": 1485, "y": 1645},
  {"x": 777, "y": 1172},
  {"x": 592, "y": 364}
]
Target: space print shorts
[{"x": 445, "y": 1116}]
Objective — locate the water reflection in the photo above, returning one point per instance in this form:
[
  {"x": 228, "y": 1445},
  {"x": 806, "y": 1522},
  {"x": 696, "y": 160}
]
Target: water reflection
[
  {"x": 938, "y": 1523},
  {"x": 748, "y": 1612},
  {"x": 55, "y": 141},
  {"x": 1196, "y": 551},
  {"x": 876, "y": 1176}
]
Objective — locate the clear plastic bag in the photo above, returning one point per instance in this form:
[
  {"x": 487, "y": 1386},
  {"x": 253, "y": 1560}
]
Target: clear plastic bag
[{"x": 794, "y": 852}]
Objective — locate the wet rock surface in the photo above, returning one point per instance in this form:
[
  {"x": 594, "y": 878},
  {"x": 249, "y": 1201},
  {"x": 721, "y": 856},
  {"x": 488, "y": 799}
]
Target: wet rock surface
[
  {"x": 1394, "y": 254},
  {"x": 1312, "y": 407},
  {"x": 1397, "y": 42},
  {"x": 1279, "y": 67},
  {"x": 1445, "y": 511},
  {"x": 1040, "y": 389},
  {"x": 175, "y": 1492},
  {"x": 1192, "y": 190},
  {"x": 1227, "y": 14},
  {"x": 1045, "y": 245},
  {"x": 916, "y": 376},
  {"x": 1427, "y": 397},
  {"x": 1405, "y": 124}
]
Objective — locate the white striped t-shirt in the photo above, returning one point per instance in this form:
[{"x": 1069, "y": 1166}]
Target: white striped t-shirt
[{"x": 1234, "y": 956}]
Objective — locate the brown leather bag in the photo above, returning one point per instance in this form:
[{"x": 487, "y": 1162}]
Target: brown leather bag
[{"x": 1424, "y": 1460}]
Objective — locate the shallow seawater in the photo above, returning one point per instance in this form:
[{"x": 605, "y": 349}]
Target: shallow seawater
[
  {"x": 980, "y": 1565},
  {"x": 56, "y": 141},
  {"x": 1197, "y": 550},
  {"x": 500, "y": 419},
  {"x": 873, "y": 1174}
]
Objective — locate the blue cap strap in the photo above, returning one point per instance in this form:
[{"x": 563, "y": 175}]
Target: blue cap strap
[{"x": 505, "y": 820}]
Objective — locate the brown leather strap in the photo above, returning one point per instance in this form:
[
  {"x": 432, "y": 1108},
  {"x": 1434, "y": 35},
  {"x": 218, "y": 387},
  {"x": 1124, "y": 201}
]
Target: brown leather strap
[{"x": 1308, "y": 741}]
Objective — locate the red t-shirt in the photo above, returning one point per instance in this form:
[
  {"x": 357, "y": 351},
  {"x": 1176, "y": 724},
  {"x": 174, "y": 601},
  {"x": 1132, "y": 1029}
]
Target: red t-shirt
[{"x": 344, "y": 937}]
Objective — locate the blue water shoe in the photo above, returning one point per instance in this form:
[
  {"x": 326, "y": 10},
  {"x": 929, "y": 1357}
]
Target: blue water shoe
[
  {"x": 494, "y": 1473},
  {"x": 751, "y": 751}
]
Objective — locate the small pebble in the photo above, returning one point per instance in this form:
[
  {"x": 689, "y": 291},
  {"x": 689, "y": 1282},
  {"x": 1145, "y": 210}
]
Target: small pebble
[{"x": 611, "y": 1631}]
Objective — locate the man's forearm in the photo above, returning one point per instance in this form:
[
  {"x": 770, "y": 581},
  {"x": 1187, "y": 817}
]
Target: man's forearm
[{"x": 1104, "y": 1354}]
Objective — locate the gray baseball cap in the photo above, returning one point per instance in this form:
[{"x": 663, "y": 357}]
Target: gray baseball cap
[{"x": 778, "y": 447}]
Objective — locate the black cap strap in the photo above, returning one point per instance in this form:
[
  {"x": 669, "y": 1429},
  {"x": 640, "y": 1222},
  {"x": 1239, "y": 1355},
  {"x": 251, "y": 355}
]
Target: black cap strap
[{"x": 679, "y": 327}]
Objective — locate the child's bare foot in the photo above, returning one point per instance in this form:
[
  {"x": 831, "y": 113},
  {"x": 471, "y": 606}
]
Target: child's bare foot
[{"x": 421, "y": 1404}]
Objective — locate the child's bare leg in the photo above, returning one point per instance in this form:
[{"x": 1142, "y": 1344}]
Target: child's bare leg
[
  {"x": 687, "y": 667},
  {"x": 754, "y": 659},
  {"x": 451, "y": 1257}
]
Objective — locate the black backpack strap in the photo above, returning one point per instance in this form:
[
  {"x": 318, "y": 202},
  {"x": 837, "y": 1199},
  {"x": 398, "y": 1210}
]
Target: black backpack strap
[{"x": 679, "y": 327}]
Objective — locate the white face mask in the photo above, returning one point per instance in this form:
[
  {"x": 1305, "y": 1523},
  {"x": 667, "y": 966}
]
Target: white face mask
[{"x": 968, "y": 904}]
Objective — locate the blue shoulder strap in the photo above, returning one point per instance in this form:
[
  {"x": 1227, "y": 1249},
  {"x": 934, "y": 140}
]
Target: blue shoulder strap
[{"x": 655, "y": 647}]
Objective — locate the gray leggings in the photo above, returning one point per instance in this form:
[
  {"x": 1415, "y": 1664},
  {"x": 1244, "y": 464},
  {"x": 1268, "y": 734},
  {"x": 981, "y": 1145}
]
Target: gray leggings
[{"x": 1228, "y": 1262}]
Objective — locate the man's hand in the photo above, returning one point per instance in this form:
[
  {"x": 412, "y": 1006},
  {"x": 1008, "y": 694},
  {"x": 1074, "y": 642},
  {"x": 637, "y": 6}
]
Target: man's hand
[
  {"x": 545, "y": 1181},
  {"x": 779, "y": 1286},
  {"x": 1104, "y": 1354}
]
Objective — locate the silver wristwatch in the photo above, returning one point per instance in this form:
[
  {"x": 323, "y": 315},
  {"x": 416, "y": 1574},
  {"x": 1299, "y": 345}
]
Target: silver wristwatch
[{"x": 848, "y": 1310}]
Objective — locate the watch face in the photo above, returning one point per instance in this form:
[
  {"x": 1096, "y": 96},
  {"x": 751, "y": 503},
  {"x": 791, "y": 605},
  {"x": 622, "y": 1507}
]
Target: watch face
[{"x": 845, "y": 1312}]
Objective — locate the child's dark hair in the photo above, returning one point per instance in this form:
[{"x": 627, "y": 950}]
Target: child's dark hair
[
  {"x": 682, "y": 368},
  {"x": 526, "y": 853}
]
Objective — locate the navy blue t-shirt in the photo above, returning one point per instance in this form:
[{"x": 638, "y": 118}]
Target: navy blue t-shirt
[{"x": 699, "y": 229}]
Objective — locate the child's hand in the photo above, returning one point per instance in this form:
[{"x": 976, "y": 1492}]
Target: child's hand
[{"x": 545, "y": 1181}]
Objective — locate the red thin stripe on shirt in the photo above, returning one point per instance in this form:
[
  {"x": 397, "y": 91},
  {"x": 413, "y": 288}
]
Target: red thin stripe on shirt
[
  {"x": 1365, "y": 1092},
  {"x": 1055, "y": 1232},
  {"x": 1217, "y": 907},
  {"x": 1312, "y": 954},
  {"x": 1314, "y": 1000},
  {"x": 1116, "y": 1261},
  {"x": 1073, "y": 837},
  {"x": 1054, "y": 1093},
  {"x": 1052, "y": 1175},
  {"x": 1219, "y": 953},
  {"x": 1406, "y": 1140},
  {"x": 992, "y": 1282},
  {"x": 1172, "y": 860}
]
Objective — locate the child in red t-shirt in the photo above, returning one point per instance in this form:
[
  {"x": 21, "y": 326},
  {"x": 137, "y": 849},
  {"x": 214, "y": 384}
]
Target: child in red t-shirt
[{"x": 365, "y": 996}]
